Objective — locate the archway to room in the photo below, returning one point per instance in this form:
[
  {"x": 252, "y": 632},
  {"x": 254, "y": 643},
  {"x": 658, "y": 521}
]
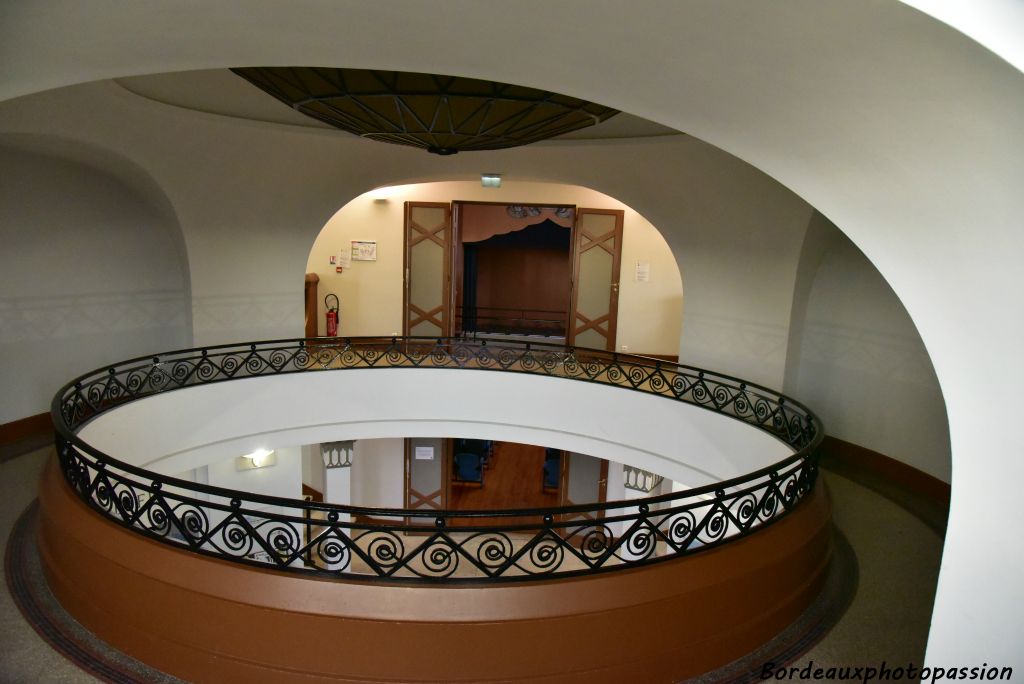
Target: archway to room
[{"x": 457, "y": 259}]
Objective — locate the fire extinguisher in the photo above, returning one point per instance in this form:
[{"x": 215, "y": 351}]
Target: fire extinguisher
[{"x": 332, "y": 314}]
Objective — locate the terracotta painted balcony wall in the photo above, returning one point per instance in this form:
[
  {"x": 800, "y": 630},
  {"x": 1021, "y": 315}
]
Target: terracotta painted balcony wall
[{"x": 207, "y": 620}]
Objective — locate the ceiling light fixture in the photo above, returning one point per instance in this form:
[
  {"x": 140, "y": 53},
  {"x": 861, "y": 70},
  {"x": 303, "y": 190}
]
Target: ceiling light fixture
[
  {"x": 441, "y": 114},
  {"x": 490, "y": 180}
]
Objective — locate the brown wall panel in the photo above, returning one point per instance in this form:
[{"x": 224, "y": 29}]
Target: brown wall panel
[
  {"x": 523, "y": 279},
  {"x": 26, "y": 427},
  {"x": 888, "y": 469},
  {"x": 209, "y": 620}
]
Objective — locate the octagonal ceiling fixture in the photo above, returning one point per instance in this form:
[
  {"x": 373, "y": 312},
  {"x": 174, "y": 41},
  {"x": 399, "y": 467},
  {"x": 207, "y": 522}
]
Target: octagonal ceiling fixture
[{"x": 441, "y": 114}]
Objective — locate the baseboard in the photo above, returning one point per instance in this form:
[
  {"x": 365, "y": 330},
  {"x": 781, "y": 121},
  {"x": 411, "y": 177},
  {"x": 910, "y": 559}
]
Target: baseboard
[
  {"x": 883, "y": 466},
  {"x": 674, "y": 358},
  {"x": 33, "y": 426}
]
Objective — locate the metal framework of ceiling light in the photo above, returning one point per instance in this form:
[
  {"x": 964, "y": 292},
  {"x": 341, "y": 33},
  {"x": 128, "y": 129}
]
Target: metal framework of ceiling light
[{"x": 441, "y": 114}]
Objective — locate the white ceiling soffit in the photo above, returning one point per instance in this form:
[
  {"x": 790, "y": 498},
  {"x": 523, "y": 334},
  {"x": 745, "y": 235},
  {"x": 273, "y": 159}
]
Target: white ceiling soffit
[
  {"x": 996, "y": 24},
  {"x": 218, "y": 91}
]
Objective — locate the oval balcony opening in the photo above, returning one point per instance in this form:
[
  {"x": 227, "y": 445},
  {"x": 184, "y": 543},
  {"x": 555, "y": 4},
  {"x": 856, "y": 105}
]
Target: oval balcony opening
[
  {"x": 714, "y": 540},
  {"x": 424, "y": 543}
]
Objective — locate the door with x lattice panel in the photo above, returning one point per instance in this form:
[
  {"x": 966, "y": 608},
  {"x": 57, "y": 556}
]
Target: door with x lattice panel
[
  {"x": 428, "y": 245},
  {"x": 427, "y": 481},
  {"x": 595, "y": 292}
]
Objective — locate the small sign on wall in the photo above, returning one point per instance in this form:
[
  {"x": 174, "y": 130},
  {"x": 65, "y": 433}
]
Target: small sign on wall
[
  {"x": 364, "y": 250},
  {"x": 643, "y": 271},
  {"x": 424, "y": 453}
]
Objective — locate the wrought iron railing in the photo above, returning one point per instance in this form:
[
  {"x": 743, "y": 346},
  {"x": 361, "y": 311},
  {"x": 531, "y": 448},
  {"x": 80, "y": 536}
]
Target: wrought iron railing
[{"x": 427, "y": 545}]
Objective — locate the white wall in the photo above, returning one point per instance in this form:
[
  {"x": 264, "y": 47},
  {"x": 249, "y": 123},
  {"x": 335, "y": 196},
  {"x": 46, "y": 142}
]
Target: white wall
[
  {"x": 176, "y": 431},
  {"x": 650, "y": 313},
  {"x": 338, "y": 487},
  {"x": 378, "y": 473},
  {"x": 857, "y": 359},
  {"x": 250, "y": 217},
  {"x": 283, "y": 479},
  {"x": 90, "y": 272}
]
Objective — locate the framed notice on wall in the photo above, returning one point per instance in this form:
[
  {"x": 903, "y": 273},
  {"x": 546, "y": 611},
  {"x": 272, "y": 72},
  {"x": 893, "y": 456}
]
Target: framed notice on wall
[{"x": 364, "y": 250}]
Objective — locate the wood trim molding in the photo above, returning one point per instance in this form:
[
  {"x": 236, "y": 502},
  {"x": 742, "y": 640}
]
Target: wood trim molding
[
  {"x": 673, "y": 358},
  {"x": 885, "y": 467},
  {"x": 311, "y": 296},
  {"x": 17, "y": 430},
  {"x": 313, "y": 494}
]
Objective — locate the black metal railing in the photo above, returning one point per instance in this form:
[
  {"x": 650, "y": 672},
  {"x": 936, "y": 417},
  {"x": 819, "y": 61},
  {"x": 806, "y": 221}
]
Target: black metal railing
[{"x": 427, "y": 545}]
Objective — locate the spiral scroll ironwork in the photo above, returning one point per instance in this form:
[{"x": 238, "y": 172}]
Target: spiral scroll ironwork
[{"x": 425, "y": 546}]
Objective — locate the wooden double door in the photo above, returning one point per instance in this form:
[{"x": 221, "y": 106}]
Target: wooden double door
[{"x": 432, "y": 274}]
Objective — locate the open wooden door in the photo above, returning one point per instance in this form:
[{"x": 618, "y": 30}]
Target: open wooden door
[
  {"x": 428, "y": 246},
  {"x": 595, "y": 291}
]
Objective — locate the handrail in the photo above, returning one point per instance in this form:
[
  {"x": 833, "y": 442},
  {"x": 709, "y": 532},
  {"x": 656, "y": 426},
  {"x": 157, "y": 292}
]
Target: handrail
[{"x": 430, "y": 545}]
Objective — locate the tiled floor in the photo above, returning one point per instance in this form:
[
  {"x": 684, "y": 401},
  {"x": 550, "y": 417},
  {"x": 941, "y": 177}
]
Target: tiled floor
[
  {"x": 25, "y": 657},
  {"x": 897, "y": 553}
]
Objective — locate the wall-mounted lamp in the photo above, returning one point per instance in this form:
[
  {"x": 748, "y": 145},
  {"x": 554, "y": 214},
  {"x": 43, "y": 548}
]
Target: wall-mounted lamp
[
  {"x": 261, "y": 458},
  {"x": 381, "y": 195},
  {"x": 490, "y": 180}
]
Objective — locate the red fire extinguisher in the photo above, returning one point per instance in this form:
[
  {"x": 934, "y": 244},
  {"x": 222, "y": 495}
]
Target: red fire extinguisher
[{"x": 332, "y": 314}]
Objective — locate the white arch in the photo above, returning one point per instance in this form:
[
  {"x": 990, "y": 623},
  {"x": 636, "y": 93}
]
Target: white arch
[
  {"x": 96, "y": 266},
  {"x": 650, "y": 313}
]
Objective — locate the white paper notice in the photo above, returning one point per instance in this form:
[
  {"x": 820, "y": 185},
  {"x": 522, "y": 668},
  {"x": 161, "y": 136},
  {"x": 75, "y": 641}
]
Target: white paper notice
[
  {"x": 643, "y": 271},
  {"x": 424, "y": 453},
  {"x": 345, "y": 258}
]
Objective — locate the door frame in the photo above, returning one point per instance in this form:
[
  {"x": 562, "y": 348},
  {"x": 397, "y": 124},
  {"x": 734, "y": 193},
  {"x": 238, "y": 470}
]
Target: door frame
[
  {"x": 446, "y": 480},
  {"x": 613, "y": 303},
  {"x": 407, "y": 245}
]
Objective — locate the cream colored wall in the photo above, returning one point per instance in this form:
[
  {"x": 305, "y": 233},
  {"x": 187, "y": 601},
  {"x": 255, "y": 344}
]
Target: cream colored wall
[{"x": 650, "y": 313}]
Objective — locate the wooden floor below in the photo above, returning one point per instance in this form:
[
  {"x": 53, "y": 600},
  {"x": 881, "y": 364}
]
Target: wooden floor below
[{"x": 514, "y": 479}]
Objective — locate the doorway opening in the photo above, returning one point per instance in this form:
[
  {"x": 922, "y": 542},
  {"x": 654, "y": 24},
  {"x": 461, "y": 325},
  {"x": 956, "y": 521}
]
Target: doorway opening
[
  {"x": 513, "y": 266},
  {"x": 486, "y": 268},
  {"x": 413, "y": 267}
]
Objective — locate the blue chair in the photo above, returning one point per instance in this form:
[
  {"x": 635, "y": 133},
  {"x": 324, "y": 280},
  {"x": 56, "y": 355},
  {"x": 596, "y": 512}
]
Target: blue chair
[
  {"x": 552, "y": 468},
  {"x": 469, "y": 468}
]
